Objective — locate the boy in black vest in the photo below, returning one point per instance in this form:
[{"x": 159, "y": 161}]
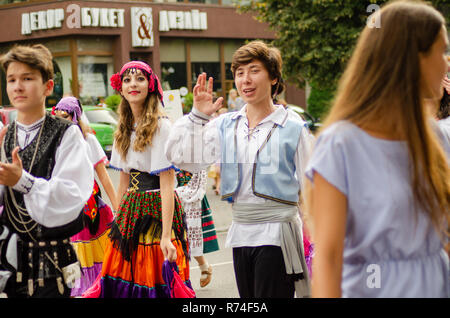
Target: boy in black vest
[{"x": 45, "y": 180}]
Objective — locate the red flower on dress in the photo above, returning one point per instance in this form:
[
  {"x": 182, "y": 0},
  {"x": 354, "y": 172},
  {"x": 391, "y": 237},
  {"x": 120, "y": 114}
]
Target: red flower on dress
[{"x": 116, "y": 82}]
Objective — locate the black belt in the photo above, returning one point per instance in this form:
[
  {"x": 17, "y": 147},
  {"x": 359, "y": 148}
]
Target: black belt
[{"x": 143, "y": 181}]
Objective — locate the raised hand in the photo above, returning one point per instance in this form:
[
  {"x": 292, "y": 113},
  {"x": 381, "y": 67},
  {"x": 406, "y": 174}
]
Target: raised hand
[{"x": 203, "y": 97}]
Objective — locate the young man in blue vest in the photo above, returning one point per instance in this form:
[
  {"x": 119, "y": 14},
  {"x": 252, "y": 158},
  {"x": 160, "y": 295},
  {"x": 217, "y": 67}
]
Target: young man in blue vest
[{"x": 263, "y": 150}]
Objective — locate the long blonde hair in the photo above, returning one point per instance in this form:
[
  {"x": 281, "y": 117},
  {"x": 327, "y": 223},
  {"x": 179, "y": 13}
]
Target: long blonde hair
[
  {"x": 147, "y": 125},
  {"x": 381, "y": 85}
]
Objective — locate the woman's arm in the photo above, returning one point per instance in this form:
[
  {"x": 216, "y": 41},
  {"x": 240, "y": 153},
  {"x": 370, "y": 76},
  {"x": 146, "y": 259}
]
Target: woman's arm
[
  {"x": 105, "y": 180},
  {"x": 167, "y": 179},
  {"x": 329, "y": 212}
]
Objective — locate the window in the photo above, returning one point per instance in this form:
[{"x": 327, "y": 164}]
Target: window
[
  {"x": 205, "y": 58},
  {"x": 64, "y": 72},
  {"x": 202, "y": 1},
  {"x": 211, "y": 69},
  {"x": 173, "y": 63},
  {"x": 11, "y": 1},
  {"x": 229, "y": 2},
  {"x": 182, "y": 60},
  {"x": 193, "y": 1},
  {"x": 93, "y": 77},
  {"x": 173, "y": 75},
  {"x": 58, "y": 91},
  {"x": 229, "y": 47}
]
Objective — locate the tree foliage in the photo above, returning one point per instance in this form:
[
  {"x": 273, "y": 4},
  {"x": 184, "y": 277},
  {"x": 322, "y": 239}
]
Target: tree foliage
[{"x": 317, "y": 37}]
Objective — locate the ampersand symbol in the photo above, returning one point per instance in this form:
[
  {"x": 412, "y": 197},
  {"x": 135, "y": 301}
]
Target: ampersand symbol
[{"x": 143, "y": 28}]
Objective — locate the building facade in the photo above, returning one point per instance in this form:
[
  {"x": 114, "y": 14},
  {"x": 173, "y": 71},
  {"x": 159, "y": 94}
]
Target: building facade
[{"x": 90, "y": 40}]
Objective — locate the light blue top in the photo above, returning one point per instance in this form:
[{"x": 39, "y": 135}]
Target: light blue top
[{"x": 388, "y": 251}]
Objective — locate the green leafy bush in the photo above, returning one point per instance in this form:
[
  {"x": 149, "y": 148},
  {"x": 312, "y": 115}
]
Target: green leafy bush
[
  {"x": 113, "y": 101},
  {"x": 188, "y": 101}
]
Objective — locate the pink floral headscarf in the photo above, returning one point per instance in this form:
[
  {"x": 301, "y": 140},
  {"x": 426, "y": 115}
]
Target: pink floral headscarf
[{"x": 153, "y": 82}]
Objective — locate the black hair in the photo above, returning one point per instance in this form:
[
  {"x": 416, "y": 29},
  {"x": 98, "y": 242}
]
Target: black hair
[{"x": 444, "y": 107}]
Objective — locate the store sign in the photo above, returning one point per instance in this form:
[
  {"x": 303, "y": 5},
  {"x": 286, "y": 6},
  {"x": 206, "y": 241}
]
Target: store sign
[
  {"x": 94, "y": 17},
  {"x": 182, "y": 20},
  {"x": 77, "y": 18},
  {"x": 42, "y": 20},
  {"x": 141, "y": 27}
]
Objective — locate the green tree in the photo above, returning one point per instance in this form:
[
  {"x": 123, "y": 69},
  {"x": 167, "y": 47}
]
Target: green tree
[
  {"x": 319, "y": 101},
  {"x": 316, "y": 37}
]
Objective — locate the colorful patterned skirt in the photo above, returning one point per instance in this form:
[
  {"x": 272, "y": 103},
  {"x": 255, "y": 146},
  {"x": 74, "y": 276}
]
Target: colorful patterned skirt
[
  {"x": 90, "y": 243},
  {"x": 207, "y": 237},
  {"x": 132, "y": 267}
]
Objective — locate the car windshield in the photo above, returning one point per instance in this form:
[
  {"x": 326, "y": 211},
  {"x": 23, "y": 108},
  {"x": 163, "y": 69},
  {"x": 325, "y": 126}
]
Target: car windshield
[{"x": 102, "y": 116}]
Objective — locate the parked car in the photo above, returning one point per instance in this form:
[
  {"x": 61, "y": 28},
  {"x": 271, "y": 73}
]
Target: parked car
[
  {"x": 313, "y": 123},
  {"x": 104, "y": 122}
]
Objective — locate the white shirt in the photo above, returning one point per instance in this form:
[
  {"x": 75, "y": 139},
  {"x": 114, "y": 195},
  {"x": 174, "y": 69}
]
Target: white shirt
[
  {"x": 152, "y": 159},
  {"x": 96, "y": 153},
  {"x": 194, "y": 144},
  {"x": 57, "y": 201}
]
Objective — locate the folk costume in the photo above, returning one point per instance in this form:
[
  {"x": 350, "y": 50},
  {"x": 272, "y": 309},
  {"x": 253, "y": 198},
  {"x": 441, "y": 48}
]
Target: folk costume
[
  {"x": 89, "y": 243},
  {"x": 45, "y": 207},
  {"x": 261, "y": 177},
  {"x": 202, "y": 235},
  {"x": 132, "y": 267}
]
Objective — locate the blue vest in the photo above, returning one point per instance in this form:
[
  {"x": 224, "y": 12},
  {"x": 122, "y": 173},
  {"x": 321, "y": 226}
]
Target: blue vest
[{"x": 273, "y": 175}]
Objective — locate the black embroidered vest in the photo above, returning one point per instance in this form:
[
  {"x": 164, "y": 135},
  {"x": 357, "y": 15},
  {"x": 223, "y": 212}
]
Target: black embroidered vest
[{"x": 52, "y": 134}]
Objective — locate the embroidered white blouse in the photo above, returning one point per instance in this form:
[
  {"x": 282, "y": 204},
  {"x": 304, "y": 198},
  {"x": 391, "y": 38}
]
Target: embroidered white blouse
[
  {"x": 57, "y": 201},
  {"x": 191, "y": 196},
  {"x": 194, "y": 144},
  {"x": 152, "y": 159}
]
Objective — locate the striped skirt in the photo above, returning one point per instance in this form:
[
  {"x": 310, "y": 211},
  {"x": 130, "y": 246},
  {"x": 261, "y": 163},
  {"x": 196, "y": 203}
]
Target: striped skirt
[{"x": 210, "y": 242}]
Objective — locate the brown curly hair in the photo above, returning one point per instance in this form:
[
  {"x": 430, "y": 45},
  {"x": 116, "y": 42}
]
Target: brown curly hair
[{"x": 147, "y": 125}]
